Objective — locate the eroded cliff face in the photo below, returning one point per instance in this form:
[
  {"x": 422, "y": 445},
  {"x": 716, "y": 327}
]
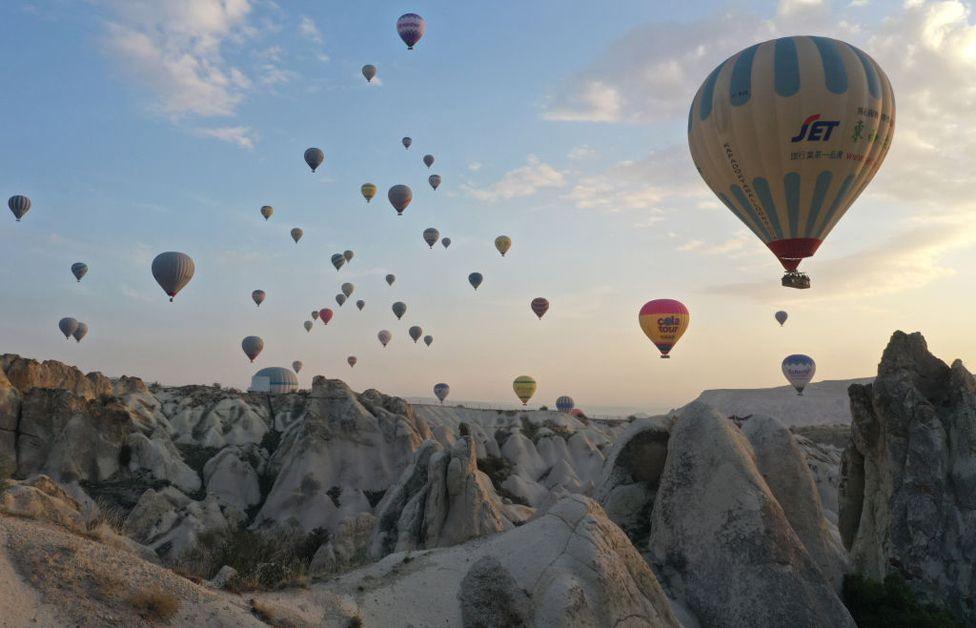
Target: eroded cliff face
[{"x": 908, "y": 489}]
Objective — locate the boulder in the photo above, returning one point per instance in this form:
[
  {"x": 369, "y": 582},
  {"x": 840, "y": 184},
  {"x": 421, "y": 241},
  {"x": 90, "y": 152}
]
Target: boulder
[
  {"x": 26, "y": 374},
  {"x": 171, "y": 523},
  {"x": 41, "y": 498}
]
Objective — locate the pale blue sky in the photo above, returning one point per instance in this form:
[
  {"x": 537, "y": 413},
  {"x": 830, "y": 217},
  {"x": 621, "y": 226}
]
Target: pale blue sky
[{"x": 139, "y": 127}]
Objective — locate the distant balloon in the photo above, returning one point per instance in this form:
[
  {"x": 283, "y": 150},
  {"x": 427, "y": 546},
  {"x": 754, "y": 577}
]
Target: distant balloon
[
  {"x": 410, "y": 27},
  {"x": 296, "y": 366},
  {"x": 441, "y": 391},
  {"x": 384, "y": 337},
  {"x": 308, "y": 324},
  {"x": 781, "y": 317},
  {"x": 428, "y": 340},
  {"x": 79, "y": 270},
  {"x": 434, "y": 180},
  {"x": 415, "y": 332},
  {"x": 258, "y": 296},
  {"x": 315, "y": 314},
  {"x": 340, "y": 299},
  {"x": 296, "y": 234},
  {"x": 503, "y": 243},
  {"x": 348, "y": 255},
  {"x": 399, "y": 309},
  {"x": 799, "y": 370},
  {"x": 252, "y": 346},
  {"x": 390, "y": 279},
  {"x": 266, "y": 211},
  {"x": 540, "y": 306},
  {"x": 475, "y": 280},
  {"x": 664, "y": 321},
  {"x": 172, "y": 271},
  {"x": 314, "y": 158},
  {"x": 428, "y": 160},
  {"x": 565, "y": 403},
  {"x": 352, "y": 361},
  {"x": 325, "y": 315},
  {"x": 80, "y": 332},
  {"x": 68, "y": 326},
  {"x": 19, "y": 205},
  {"x": 369, "y": 71},
  {"x": 400, "y": 196},
  {"x": 338, "y": 260},
  {"x": 576, "y": 412},
  {"x": 368, "y": 190},
  {"x": 360, "y": 304},
  {"x": 431, "y": 236},
  {"x": 524, "y": 387},
  {"x": 406, "y": 142},
  {"x": 274, "y": 380},
  {"x": 446, "y": 242},
  {"x": 347, "y": 289}
]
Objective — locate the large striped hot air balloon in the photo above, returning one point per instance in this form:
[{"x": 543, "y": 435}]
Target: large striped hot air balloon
[
  {"x": 384, "y": 337},
  {"x": 338, "y": 260},
  {"x": 524, "y": 387},
  {"x": 788, "y": 133},
  {"x": 275, "y": 380},
  {"x": 68, "y": 326},
  {"x": 172, "y": 271},
  {"x": 368, "y": 190},
  {"x": 565, "y": 403},
  {"x": 19, "y": 205},
  {"x": 540, "y": 306},
  {"x": 400, "y": 196},
  {"x": 325, "y": 315},
  {"x": 431, "y": 236},
  {"x": 252, "y": 346},
  {"x": 664, "y": 321},
  {"x": 441, "y": 391},
  {"x": 799, "y": 370},
  {"x": 314, "y": 158},
  {"x": 79, "y": 270},
  {"x": 410, "y": 27}
]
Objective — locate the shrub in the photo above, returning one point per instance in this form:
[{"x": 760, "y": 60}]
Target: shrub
[
  {"x": 544, "y": 408},
  {"x": 529, "y": 429},
  {"x": 155, "y": 606},
  {"x": 891, "y": 604}
]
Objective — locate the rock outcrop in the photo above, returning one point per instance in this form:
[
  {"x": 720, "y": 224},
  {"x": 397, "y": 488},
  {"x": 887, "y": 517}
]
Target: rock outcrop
[{"x": 908, "y": 491}]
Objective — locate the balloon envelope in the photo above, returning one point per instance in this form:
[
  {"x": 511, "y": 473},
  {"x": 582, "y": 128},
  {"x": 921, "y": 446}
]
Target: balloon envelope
[
  {"x": 390, "y": 279},
  {"x": 428, "y": 340},
  {"x": 80, "y": 332},
  {"x": 788, "y": 133},
  {"x": 369, "y": 71},
  {"x": 406, "y": 142},
  {"x": 315, "y": 314},
  {"x": 172, "y": 271},
  {"x": 347, "y": 289},
  {"x": 524, "y": 387},
  {"x": 475, "y": 280},
  {"x": 781, "y": 317},
  {"x": 325, "y": 315},
  {"x": 415, "y": 332},
  {"x": 434, "y": 180},
  {"x": 258, "y": 297},
  {"x": 441, "y": 391},
  {"x": 539, "y": 306},
  {"x": 314, "y": 158},
  {"x": 19, "y": 205},
  {"x": 360, "y": 304},
  {"x": 431, "y": 236},
  {"x": 266, "y": 211},
  {"x": 503, "y": 243},
  {"x": 340, "y": 299},
  {"x": 308, "y": 324},
  {"x": 68, "y": 326},
  {"x": 399, "y": 309},
  {"x": 410, "y": 27},
  {"x": 446, "y": 242},
  {"x": 252, "y": 346},
  {"x": 296, "y": 234},
  {"x": 664, "y": 321},
  {"x": 296, "y": 366},
  {"x": 384, "y": 337},
  {"x": 348, "y": 255},
  {"x": 368, "y": 190},
  {"x": 400, "y": 196},
  {"x": 352, "y": 361},
  {"x": 799, "y": 370},
  {"x": 565, "y": 403},
  {"x": 428, "y": 160},
  {"x": 338, "y": 260},
  {"x": 79, "y": 270},
  {"x": 274, "y": 380}
]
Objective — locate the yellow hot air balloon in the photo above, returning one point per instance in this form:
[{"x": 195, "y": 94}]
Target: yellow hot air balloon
[
  {"x": 788, "y": 133},
  {"x": 524, "y": 387},
  {"x": 503, "y": 243},
  {"x": 368, "y": 190}
]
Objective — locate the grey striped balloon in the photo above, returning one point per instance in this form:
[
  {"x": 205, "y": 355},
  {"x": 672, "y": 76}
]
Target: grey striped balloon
[
  {"x": 68, "y": 326},
  {"x": 80, "y": 332},
  {"x": 252, "y": 346},
  {"x": 172, "y": 271},
  {"x": 19, "y": 205}
]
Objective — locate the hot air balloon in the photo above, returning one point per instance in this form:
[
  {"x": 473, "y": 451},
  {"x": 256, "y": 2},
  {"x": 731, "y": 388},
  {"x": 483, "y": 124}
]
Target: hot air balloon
[
  {"x": 441, "y": 391},
  {"x": 266, "y": 211},
  {"x": 308, "y": 324},
  {"x": 503, "y": 243},
  {"x": 296, "y": 234},
  {"x": 434, "y": 180},
  {"x": 340, "y": 299},
  {"x": 369, "y": 71},
  {"x": 360, "y": 304},
  {"x": 428, "y": 160},
  {"x": 296, "y": 366},
  {"x": 431, "y": 236},
  {"x": 406, "y": 142},
  {"x": 79, "y": 270},
  {"x": 172, "y": 271},
  {"x": 788, "y": 133},
  {"x": 80, "y": 332},
  {"x": 325, "y": 315},
  {"x": 315, "y": 314},
  {"x": 540, "y": 306},
  {"x": 410, "y": 27},
  {"x": 258, "y": 296},
  {"x": 799, "y": 370},
  {"x": 352, "y": 361},
  {"x": 338, "y": 260},
  {"x": 275, "y": 380},
  {"x": 399, "y": 309},
  {"x": 415, "y": 332},
  {"x": 446, "y": 242},
  {"x": 368, "y": 190},
  {"x": 428, "y": 340},
  {"x": 68, "y": 326},
  {"x": 781, "y": 317},
  {"x": 524, "y": 387},
  {"x": 314, "y": 158},
  {"x": 384, "y": 337},
  {"x": 19, "y": 205},
  {"x": 348, "y": 255},
  {"x": 347, "y": 289},
  {"x": 252, "y": 346},
  {"x": 390, "y": 279},
  {"x": 565, "y": 403},
  {"x": 475, "y": 280},
  {"x": 664, "y": 321},
  {"x": 400, "y": 196}
]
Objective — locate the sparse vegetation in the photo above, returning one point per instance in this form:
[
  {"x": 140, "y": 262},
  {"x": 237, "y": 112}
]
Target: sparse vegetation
[
  {"x": 374, "y": 497},
  {"x": 544, "y": 408},
  {"x": 559, "y": 430},
  {"x": 155, "y": 606},
  {"x": 529, "y": 429},
  {"x": 498, "y": 469},
  {"x": 334, "y": 494},
  {"x": 890, "y": 604}
]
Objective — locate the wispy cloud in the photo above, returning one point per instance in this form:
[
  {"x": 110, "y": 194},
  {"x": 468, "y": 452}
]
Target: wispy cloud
[
  {"x": 535, "y": 175},
  {"x": 308, "y": 29},
  {"x": 242, "y": 136}
]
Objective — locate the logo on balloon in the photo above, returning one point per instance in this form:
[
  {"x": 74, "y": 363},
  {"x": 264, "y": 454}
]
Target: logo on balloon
[
  {"x": 814, "y": 129},
  {"x": 668, "y": 325}
]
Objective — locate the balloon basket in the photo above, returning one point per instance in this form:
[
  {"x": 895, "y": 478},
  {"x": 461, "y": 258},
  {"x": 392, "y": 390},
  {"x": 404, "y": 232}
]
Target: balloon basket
[{"x": 796, "y": 279}]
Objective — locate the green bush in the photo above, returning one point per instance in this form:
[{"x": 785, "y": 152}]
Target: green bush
[{"x": 891, "y": 604}]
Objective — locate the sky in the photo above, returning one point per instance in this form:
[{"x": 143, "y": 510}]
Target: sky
[{"x": 138, "y": 127}]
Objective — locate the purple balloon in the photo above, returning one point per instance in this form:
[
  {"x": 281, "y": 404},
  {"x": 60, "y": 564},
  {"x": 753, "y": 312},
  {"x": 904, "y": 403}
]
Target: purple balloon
[{"x": 410, "y": 28}]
